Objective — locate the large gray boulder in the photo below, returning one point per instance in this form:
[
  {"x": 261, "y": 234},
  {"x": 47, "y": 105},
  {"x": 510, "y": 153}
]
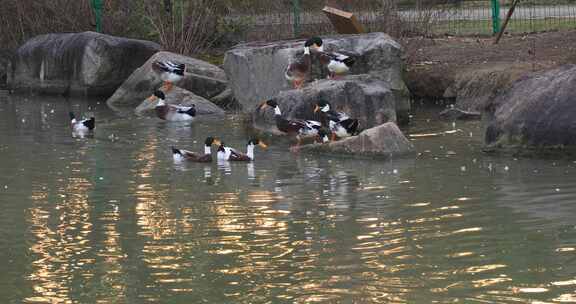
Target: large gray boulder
[
  {"x": 536, "y": 112},
  {"x": 256, "y": 70},
  {"x": 77, "y": 63},
  {"x": 360, "y": 96},
  {"x": 385, "y": 141},
  {"x": 181, "y": 97},
  {"x": 5, "y": 56},
  {"x": 201, "y": 78}
]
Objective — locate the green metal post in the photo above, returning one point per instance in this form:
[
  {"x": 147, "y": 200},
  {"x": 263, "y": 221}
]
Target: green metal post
[
  {"x": 97, "y": 6},
  {"x": 296, "y": 9},
  {"x": 495, "y": 16}
]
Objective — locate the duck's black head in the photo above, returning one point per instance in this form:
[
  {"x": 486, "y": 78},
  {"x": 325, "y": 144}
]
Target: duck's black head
[
  {"x": 322, "y": 105},
  {"x": 314, "y": 41},
  {"x": 159, "y": 94},
  {"x": 271, "y": 103},
  {"x": 322, "y": 102},
  {"x": 257, "y": 142},
  {"x": 221, "y": 147},
  {"x": 211, "y": 141}
]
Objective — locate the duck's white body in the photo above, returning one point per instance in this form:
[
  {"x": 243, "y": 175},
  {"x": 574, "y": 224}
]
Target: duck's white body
[{"x": 81, "y": 127}]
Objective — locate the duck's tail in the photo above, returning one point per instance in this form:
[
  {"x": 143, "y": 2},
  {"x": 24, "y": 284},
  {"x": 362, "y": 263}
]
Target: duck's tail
[{"x": 351, "y": 125}]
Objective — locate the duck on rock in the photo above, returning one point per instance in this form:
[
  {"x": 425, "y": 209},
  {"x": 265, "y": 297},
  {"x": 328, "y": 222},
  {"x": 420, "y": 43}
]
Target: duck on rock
[
  {"x": 169, "y": 72},
  {"x": 297, "y": 71},
  {"x": 171, "y": 112},
  {"x": 206, "y": 157},
  {"x": 298, "y": 127},
  {"x": 230, "y": 154},
  {"x": 339, "y": 123}
]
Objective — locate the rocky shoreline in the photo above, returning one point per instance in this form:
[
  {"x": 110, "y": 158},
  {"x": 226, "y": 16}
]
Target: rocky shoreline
[{"x": 497, "y": 83}]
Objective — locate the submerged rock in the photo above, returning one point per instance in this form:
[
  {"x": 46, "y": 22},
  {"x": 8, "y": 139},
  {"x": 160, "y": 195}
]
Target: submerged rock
[
  {"x": 537, "y": 111},
  {"x": 77, "y": 63},
  {"x": 201, "y": 78},
  {"x": 256, "y": 70},
  {"x": 457, "y": 114},
  {"x": 386, "y": 141},
  {"x": 181, "y": 97},
  {"x": 360, "y": 96}
]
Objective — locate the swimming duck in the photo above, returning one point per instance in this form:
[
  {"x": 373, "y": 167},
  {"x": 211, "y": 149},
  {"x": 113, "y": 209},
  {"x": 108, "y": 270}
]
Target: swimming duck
[
  {"x": 230, "y": 154},
  {"x": 298, "y": 127},
  {"x": 81, "y": 127},
  {"x": 171, "y": 112},
  {"x": 339, "y": 123},
  {"x": 169, "y": 71},
  {"x": 181, "y": 154}
]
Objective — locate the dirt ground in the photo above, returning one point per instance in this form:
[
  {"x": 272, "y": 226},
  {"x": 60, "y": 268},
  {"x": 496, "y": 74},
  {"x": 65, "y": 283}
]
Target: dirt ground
[{"x": 434, "y": 63}]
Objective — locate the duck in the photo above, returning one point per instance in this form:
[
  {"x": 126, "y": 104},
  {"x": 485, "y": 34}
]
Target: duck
[
  {"x": 81, "y": 126},
  {"x": 337, "y": 64},
  {"x": 315, "y": 43},
  {"x": 298, "y": 127},
  {"x": 170, "y": 72},
  {"x": 171, "y": 112},
  {"x": 297, "y": 71},
  {"x": 230, "y": 154},
  {"x": 181, "y": 154},
  {"x": 339, "y": 123}
]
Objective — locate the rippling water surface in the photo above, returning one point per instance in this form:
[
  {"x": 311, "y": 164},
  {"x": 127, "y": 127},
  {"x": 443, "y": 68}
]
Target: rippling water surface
[{"x": 112, "y": 219}]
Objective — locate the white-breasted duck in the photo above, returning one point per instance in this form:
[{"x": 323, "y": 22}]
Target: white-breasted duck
[
  {"x": 297, "y": 71},
  {"x": 171, "y": 112},
  {"x": 169, "y": 71},
  {"x": 297, "y": 127},
  {"x": 230, "y": 154},
  {"x": 339, "y": 123},
  {"x": 81, "y": 127},
  {"x": 206, "y": 157},
  {"x": 337, "y": 63}
]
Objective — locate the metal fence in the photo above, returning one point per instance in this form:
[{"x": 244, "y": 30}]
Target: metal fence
[{"x": 412, "y": 18}]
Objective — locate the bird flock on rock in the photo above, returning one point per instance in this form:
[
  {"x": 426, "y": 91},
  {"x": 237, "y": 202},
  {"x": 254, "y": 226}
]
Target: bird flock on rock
[{"x": 331, "y": 125}]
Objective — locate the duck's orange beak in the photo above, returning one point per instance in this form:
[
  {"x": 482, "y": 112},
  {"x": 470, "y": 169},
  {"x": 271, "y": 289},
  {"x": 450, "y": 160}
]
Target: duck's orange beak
[
  {"x": 216, "y": 142},
  {"x": 263, "y": 106},
  {"x": 262, "y": 145},
  {"x": 152, "y": 98},
  {"x": 316, "y": 109}
]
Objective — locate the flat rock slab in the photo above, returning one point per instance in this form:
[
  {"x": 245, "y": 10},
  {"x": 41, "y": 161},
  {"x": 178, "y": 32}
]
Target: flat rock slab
[
  {"x": 384, "y": 141},
  {"x": 256, "y": 70},
  {"x": 179, "y": 96},
  {"x": 537, "y": 112},
  {"x": 202, "y": 78},
  {"x": 85, "y": 63}
]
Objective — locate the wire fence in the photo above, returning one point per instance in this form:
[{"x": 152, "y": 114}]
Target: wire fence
[{"x": 411, "y": 18}]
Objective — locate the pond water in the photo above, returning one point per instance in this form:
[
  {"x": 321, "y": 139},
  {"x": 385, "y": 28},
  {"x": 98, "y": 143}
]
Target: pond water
[{"x": 112, "y": 219}]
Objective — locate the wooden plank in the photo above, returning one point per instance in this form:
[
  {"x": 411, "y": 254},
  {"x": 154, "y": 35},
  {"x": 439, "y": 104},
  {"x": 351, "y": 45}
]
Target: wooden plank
[{"x": 344, "y": 22}]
